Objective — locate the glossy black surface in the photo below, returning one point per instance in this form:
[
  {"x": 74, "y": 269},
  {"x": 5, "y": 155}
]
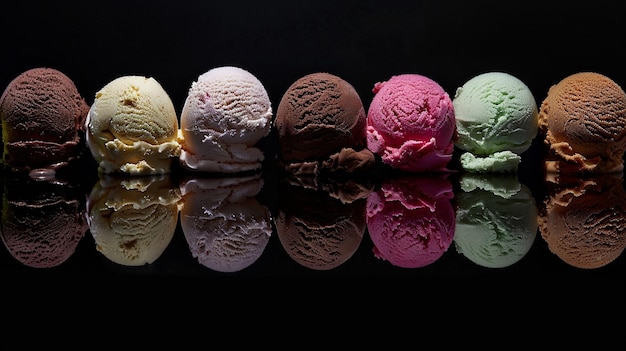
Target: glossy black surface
[
  {"x": 364, "y": 43},
  {"x": 302, "y": 206}
]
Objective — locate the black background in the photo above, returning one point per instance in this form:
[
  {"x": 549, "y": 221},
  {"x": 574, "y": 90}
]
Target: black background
[{"x": 363, "y": 42}]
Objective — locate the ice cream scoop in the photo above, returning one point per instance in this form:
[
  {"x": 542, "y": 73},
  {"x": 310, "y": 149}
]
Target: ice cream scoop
[
  {"x": 410, "y": 219},
  {"x": 226, "y": 227},
  {"x": 133, "y": 219},
  {"x": 132, "y": 127},
  {"x": 42, "y": 117},
  {"x": 42, "y": 222},
  {"x": 411, "y": 124},
  {"x": 496, "y": 219},
  {"x": 497, "y": 119},
  {"x": 583, "y": 122},
  {"x": 318, "y": 231},
  {"x": 346, "y": 187},
  {"x": 583, "y": 219},
  {"x": 320, "y": 122},
  {"x": 226, "y": 114}
]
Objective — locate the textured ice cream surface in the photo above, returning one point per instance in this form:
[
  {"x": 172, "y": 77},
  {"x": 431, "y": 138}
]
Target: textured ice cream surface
[
  {"x": 346, "y": 162},
  {"x": 496, "y": 220},
  {"x": 316, "y": 230},
  {"x": 411, "y": 124},
  {"x": 583, "y": 219},
  {"x": 583, "y": 119},
  {"x": 226, "y": 227},
  {"x": 42, "y": 222},
  {"x": 321, "y": 119},
  {"x": 495, "y": 112},
  {"x": 498, "y": 162},
  {"x": 410, "y": 220},
  {"x": 345, "y": 186},
  {"x": 132, "y": 127},
  {"x": 133, "y": 219},
  {"x": 42, "y": 118},
  {"x": 226, "y": 113}
]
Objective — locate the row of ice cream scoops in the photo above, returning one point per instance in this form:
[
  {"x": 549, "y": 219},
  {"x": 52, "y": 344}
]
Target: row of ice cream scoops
[
  {"x": 412, "y": 221},
  {"x": 412, "y": 124},
  {"x": 132, "y": 220}
]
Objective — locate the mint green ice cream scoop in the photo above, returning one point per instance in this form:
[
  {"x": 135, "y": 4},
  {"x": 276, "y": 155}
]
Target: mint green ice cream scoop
[
  {"x": 497, "y": 120},
  {"x": 496, "y": 219}
]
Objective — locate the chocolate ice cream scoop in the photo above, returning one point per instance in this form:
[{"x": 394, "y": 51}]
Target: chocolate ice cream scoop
[
  {"x": 42, "y": 115},
  {"x": 42, "y": 222},
  {"x": 318, "y": 116},
  {"x": 584, "y": 220},
  {"x": 316, "y": 230},
  {"x": 583, "y": 118}
]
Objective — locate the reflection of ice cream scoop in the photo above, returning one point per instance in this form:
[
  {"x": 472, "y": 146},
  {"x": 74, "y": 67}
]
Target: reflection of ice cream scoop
[
  {"x": 132, "y": 127},
  {"x": 226, "y": 113},
  {"x": 43, "y": 118},
  {"x": 225, "y": 226},
  {"x": 320, "y": 123},
  {"x": 133, "y": 219},
  {"x": 583, "y": 118},
  {"x": 345, "y": 187},
  {"x": 316, "y": 230},
  {"x": 496, "y": 119},
  {"x": 584, "y": 220},
  {"x": 410, "y": 124},
  {"x": 42, "y": 222},
  {"x": 411, "y": 220},
  {"x": 496, "y": 220}
]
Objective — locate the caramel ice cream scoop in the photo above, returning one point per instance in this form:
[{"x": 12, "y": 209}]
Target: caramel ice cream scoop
[
  {"x": 583, "y": 220},
  {"x": 583, "y": 118}
]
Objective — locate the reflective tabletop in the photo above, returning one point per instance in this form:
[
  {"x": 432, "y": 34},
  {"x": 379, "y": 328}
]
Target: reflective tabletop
[
  {"x": 263, "y": 223},
  {"x": 535, "y": 231}
]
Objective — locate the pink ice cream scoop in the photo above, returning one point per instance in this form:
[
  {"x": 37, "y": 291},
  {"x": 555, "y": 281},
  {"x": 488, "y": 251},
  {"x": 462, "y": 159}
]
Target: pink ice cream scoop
[
  {"x": 411, "y": 124},
  {"x": 411, "y": 220}
]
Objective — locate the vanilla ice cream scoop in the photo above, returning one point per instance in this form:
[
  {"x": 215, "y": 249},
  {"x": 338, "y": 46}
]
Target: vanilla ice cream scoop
[
  {"x": 133, "y": 220},
  {"x": 132, "y": 127},
  {"x": 226, "y": 113}
]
